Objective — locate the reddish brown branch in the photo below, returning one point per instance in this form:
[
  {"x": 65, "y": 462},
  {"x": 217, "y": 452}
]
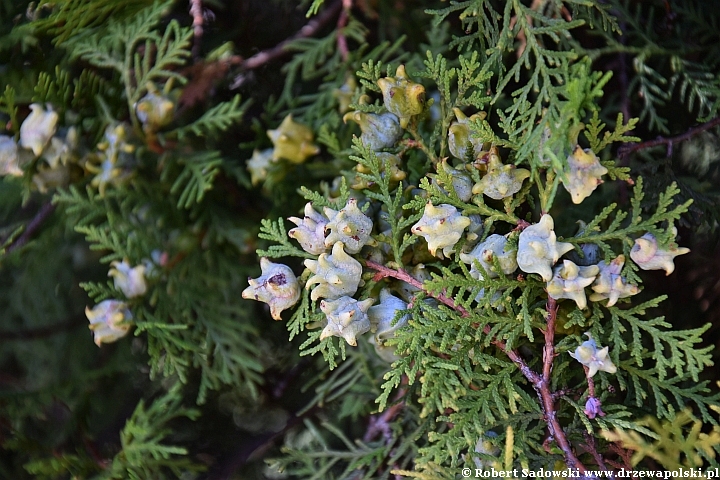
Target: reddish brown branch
[
  {"x": 591, "y": 383},
  {"x": 279, "y": 50},
  {"x": 669, "y": 142},
  {"x": 591, "y": 448},
  {"x": 563, "y": 392},
  {"x": 541, "y": 383},
  {"x": 381, "y": 423},
  {"x": 543, "y": 388},
  {"x": 406, "y": 277},
  {"x": 32, "y": 227},
  {"x": 341, "y": 23},
  {"x": 549, "y": 349},
  {"x": 521, "y": 225},
  {"x": 196, "y": 10},
  {"x": 625, "y": 456},
  {"x": 442, "y": 298}
]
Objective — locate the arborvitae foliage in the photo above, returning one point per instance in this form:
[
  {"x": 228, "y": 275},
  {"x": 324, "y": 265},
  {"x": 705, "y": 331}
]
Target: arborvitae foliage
[{"x": 466, "y": 285}]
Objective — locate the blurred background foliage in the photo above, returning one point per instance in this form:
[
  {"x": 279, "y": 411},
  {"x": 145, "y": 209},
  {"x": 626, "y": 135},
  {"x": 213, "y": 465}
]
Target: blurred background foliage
[{"x": 69, "y": 409}]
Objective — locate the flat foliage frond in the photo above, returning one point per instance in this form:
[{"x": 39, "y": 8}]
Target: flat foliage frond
[{"x": 70, "y": 18}]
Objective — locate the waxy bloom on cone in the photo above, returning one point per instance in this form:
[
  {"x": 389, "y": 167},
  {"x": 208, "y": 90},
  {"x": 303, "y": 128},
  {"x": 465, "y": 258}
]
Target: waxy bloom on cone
[
  {"x": 349, "y": 226},
  {"x": 130, "y": 281},
  {"x": 569, "y": 281},
  {"x": 259, "y": 164},
  {"x": 610, "y": 285},
  {"x": 110, "y": 320},
  {"x": 595, "y": 359},
  {"x": 583, "y": 175},
  {"x": 336, "y": 275},
  {"x": 648, "y": 256},
  {"x": 441, "y": 226},
  {"x": 38, "y": 128},
  {"x": 539, "y": 250},
  {"x": 277, "y": 286},
  {"x": 310, "y": 230},
  {"x": 9, "y": 159},
  {"x": 378, "y": 130},
  {"x": 485, "y": 253},
  {"x": 347, "y": 318},
  {"x": 501, "y": 180}
]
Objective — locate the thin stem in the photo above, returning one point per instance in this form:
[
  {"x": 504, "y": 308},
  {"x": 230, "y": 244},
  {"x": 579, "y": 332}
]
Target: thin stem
[
  {"x": 406, "y": 277},
  {"x": 624, "y": 455},
  {"x": 341, "y": 23},
  {"x": 32, "y": 227},
  {"x": 543, "y": 388},
  {"x": 549, "y": 349},
  {"x": 592, "y": 449},
  {"x": 418, "y": 142},
  {"x": 279, "y": 50},
  {"x": 669, "y": 142},
  {"x": 381, "y": 423},
  {"x": 129, "y": 93},
  {"x": 482, "y": 209},
  {"x": 196, "y": 10},
  {"x": 591, "y": 383}
]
